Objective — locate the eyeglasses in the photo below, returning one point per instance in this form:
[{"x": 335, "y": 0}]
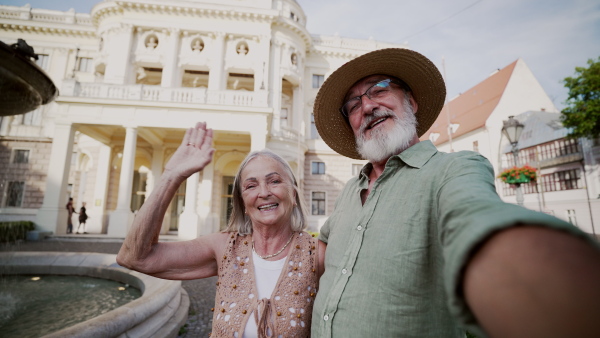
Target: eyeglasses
[{"x": 376, "y": 92}]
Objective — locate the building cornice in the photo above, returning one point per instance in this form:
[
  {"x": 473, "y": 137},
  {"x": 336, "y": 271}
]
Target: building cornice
[
  {"x": 33, "y": 28},
  {"x": 337, "y": 46},
  {"x": 27, "y": 19},
  {"x": 293, "y": 26},
  {"x": 105, "y": 9}
]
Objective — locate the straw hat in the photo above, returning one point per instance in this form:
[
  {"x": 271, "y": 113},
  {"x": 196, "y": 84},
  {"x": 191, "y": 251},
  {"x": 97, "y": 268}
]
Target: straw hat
[{"x": 421, "y": 75}]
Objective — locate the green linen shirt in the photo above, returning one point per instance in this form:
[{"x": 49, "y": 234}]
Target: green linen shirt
[{"x": 393, "y": 265}]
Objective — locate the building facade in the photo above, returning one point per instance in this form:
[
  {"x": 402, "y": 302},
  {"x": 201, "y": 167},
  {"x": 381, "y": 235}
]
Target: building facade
[
  {"x": 134, "y": 75},
  {"x": 569, "y": 184}
]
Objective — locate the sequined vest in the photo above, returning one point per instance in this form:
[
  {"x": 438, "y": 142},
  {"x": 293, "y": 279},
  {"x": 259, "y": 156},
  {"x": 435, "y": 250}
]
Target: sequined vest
[{"x": 288, "y": 312}]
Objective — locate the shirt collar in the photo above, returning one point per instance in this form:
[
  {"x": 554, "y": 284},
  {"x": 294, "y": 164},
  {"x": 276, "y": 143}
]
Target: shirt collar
[{"x": 415, "y": 156}]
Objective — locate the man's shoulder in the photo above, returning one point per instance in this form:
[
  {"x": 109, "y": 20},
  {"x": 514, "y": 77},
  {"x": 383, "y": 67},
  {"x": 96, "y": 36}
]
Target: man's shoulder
[{"x": 460, "y": 155}]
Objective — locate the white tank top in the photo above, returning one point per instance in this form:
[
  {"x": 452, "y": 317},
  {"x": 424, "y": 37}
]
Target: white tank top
[{"x": 266, "y": 275}]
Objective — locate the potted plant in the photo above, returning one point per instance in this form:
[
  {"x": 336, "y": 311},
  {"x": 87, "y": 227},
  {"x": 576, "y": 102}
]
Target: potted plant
[{"x": 516, "y": 175}]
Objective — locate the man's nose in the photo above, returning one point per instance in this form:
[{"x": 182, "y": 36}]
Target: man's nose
[{"x": 368, "y": 105}]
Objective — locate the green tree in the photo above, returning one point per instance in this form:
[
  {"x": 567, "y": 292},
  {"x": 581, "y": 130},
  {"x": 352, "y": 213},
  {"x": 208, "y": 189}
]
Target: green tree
[{"x": 583, "y": 111}]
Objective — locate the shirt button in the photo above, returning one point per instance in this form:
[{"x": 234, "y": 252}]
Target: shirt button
[
  {"x": 344, "y": 271},
  {"x": 359, "y": 228},
  {"x": 326, "y": 318}
]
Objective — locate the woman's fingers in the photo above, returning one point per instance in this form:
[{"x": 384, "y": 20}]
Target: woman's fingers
[
  {"x": 198, "y": 135},
  {"x": 207, "y": 141},
  {"x": 187, "y": 136}
]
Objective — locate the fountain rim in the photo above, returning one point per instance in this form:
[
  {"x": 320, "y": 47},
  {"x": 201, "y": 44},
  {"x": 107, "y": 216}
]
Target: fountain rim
[{"x": 162, "y": 308}]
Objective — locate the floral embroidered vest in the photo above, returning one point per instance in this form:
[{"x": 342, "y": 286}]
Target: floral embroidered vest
[{"x": 288, "y": 312}]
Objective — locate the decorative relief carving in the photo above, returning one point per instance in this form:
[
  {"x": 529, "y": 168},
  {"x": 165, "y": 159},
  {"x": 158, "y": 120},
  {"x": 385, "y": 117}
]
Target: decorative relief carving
[
  {"x": 151, "y": 41},
  {"x": 294, "y": 59},
  {"x": 197, "y": 45},
  {"x": 242, "y": 48}
]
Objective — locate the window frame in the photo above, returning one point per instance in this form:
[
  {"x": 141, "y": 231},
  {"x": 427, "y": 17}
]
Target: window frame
[
  {"x": 89, "y": 63},
  {"x": 312, "y": 168},
  {"x": 20, "y": 198},
  {"x": 13, "y": 159},
  {"x": 319, "y": 201},
  {"x": 319, "y": 81}
]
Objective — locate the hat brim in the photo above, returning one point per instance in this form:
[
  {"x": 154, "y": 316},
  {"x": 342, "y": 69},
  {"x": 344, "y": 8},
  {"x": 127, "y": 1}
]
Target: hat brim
[{"x": 417, "y": 71}]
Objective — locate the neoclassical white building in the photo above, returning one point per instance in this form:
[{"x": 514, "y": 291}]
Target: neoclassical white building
[{"x": 133, "y": 75}]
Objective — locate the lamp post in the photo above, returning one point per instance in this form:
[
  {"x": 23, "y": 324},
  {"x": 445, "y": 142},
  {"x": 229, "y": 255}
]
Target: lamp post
[{"x": 512, "y": 129}]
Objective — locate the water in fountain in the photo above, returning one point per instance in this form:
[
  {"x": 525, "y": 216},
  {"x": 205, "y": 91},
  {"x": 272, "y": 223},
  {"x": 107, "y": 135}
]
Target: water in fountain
[{"x": 33, "y": 306}]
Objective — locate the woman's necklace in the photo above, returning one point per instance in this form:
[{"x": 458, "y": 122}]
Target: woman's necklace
[{"x": 275, "y": 254}]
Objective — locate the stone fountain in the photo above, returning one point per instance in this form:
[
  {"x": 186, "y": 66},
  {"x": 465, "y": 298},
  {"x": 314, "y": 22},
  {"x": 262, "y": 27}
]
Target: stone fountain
[
  {"x": 163, "y": 307},
  {"x": 23, "y": 85}
]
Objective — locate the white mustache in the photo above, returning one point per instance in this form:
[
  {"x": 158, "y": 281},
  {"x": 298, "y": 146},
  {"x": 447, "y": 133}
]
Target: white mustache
[{"x": 377, "y": 114}]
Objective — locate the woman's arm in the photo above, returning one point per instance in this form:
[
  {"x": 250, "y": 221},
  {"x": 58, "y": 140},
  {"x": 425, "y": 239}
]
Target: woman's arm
[
  {"x": 322, "y": 246},
  {"x": 141, "y": 250}
]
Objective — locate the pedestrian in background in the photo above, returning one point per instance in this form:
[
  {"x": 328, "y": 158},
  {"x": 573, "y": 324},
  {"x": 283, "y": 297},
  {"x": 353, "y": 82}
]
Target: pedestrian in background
[
  {"x": 70, "y": 210},
  {"x": 82, "y": 218}
]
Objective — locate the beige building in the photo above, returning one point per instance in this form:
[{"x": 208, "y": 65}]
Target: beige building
[{"x": 133, "y": 75}]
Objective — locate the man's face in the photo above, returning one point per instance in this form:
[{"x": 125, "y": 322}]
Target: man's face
[{"x": 383, "y": 126}]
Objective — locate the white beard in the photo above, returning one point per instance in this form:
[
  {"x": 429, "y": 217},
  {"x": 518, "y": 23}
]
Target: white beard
[{"x": 382, "y": 145}]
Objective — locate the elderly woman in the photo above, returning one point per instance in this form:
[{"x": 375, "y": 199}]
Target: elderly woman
[{"x": 268, "y": 268}]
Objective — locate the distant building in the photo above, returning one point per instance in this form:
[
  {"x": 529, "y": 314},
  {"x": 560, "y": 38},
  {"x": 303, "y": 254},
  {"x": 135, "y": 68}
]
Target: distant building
[
  {"x": 569, "y": 186},
  {"x": 568, "y": 182},
  {"x": 133, "y": 75}
]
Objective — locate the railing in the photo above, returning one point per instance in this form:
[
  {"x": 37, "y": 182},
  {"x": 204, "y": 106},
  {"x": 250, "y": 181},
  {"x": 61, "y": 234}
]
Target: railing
[
  {"x": 37, "y": 14},
  {"x": 160, "y": 94}
]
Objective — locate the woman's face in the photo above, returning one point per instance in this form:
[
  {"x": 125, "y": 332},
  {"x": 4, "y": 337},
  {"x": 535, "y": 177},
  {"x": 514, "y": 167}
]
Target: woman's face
[{"x": 267, "y": 192}]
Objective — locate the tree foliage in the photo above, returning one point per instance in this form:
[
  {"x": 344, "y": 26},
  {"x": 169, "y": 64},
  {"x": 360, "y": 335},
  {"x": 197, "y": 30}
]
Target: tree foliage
[{"x": 583, "y": 111}]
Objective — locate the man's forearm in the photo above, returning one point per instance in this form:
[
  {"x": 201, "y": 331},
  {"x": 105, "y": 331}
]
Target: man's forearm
[{"x": 531, "y": 281}]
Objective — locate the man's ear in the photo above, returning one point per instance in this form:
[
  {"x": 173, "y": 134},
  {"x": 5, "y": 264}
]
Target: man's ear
[{"x": 413, "y": 104}]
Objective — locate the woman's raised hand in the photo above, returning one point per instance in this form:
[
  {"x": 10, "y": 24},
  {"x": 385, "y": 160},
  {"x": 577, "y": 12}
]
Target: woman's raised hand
[{"x": 194, "y": 153}]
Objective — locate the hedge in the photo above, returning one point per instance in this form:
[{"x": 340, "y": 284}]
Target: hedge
[{"x": 13, "y": 231}]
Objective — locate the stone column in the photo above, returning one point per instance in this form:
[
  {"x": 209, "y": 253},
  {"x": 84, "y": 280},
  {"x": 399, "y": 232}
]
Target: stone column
[
  {"x": 171, "y": 76},
  {"x": 258, "y": 138},
  {"x": 117, "y": 64},
  {"x": 297, "y": 112},
  {"x": 52, "y": 216},
  {"x": 122, "y": 217},
  {"x": 97, "y": 209},
  {"x": 261, "y": 71},
  {"x": 188, "y": 220},
  {"x": 216, "y": 76},
  {"x": 276, "y": 82},
  {"x": 158, "y": 157},
  {"x": 207, "y": 219}
]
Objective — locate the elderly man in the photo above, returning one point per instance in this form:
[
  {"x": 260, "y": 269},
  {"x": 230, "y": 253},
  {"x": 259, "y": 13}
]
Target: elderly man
[{"x": 420, "y": 244}]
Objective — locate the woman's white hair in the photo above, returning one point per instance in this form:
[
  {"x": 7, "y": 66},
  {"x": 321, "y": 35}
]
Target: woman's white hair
[{"x": 239, "y": 221}]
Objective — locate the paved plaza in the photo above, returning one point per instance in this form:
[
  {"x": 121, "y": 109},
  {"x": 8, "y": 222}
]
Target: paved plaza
[{"x": 201, "y": 291}]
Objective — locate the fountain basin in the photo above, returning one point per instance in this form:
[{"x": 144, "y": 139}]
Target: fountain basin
[
  {"x": 24, "y": 86},
  {"x": 159, "y": 312}
]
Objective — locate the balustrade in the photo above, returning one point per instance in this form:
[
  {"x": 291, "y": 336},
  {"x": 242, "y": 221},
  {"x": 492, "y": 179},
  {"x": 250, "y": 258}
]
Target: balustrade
[{"x": 175, "y": 95}]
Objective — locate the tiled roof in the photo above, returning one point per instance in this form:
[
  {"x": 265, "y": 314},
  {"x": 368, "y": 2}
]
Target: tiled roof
[{"x": 471, "y": 109}]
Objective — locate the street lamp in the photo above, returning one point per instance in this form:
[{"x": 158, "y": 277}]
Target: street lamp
[{"x": 512, "y": 129}]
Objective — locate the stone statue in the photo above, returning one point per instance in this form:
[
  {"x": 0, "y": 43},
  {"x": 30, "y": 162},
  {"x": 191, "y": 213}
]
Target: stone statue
[{"x": 23, "y": 49}]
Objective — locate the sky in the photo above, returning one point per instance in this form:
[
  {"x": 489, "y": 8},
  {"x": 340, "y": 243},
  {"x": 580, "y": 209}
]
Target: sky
[{"x": 473, "y": 37}]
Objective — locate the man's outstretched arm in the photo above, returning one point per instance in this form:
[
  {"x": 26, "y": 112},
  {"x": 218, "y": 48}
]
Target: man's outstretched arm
[{"x": 530, "y": 281}]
